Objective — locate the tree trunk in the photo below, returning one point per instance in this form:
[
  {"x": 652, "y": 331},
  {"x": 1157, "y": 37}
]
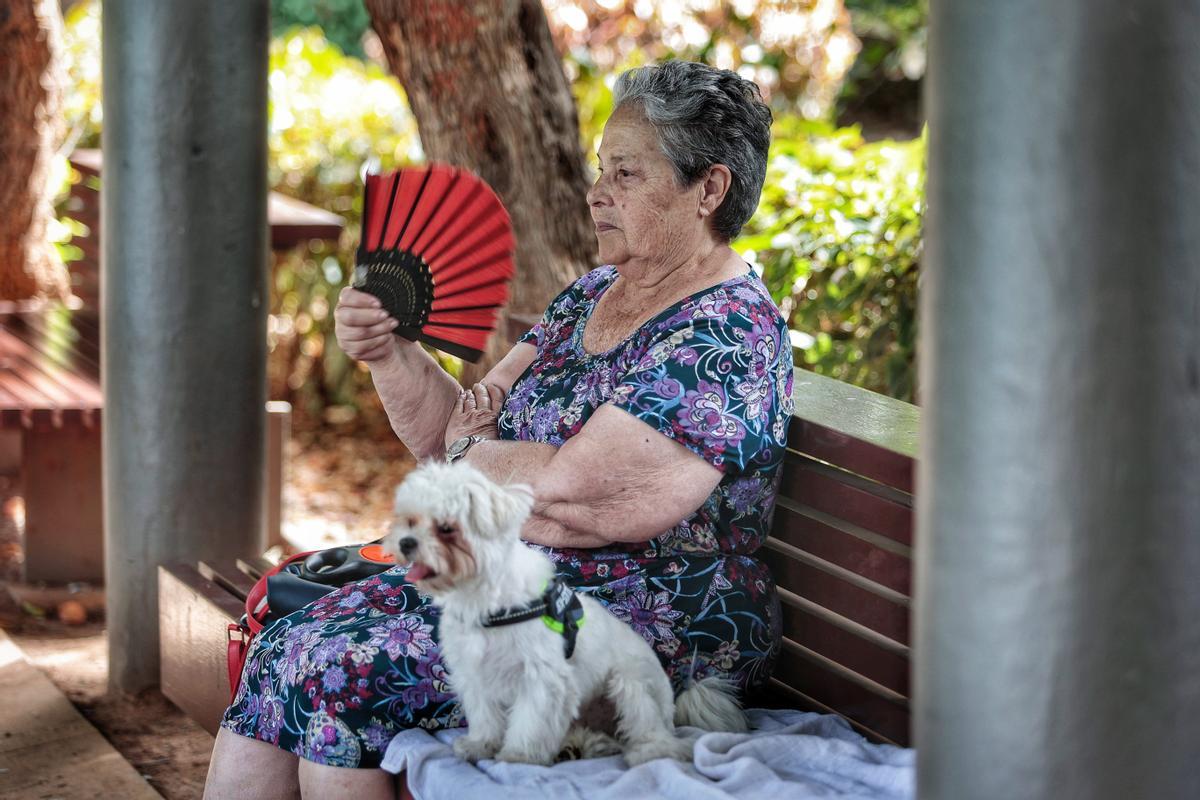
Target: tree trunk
[
  {"x": 31, "y": 129},
  {"x": 488, "y": 91}
]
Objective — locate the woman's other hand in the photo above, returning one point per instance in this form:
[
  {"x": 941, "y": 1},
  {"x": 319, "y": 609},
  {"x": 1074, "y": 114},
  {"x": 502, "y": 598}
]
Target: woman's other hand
[
  {"x": 363, "y": 328},
  {"x": 475, "y": 413}
]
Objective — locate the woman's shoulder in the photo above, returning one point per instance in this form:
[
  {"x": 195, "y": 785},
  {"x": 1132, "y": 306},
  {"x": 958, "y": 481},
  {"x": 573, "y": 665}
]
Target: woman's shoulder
[{"x": 742, "y": 302}]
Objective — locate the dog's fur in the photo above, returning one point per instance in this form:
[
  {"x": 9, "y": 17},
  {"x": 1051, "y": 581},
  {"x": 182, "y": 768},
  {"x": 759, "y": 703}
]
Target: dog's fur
[{"x": 520, "y": 695}]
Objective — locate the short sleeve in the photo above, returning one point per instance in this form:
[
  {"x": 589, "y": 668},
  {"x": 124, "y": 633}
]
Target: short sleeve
[
  {"x": 718, "y": 386},
  {"x": 533, "y": 336}
]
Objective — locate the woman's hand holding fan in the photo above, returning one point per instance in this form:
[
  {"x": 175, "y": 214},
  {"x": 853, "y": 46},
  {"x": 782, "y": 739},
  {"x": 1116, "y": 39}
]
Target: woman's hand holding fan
[{"x": 364, "y": 330}]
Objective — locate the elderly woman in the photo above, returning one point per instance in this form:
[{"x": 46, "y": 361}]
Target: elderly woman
[{"x": 648, "y": 409}]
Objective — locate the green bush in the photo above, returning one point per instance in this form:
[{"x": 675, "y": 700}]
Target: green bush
[{"x": 838, "y": 237}]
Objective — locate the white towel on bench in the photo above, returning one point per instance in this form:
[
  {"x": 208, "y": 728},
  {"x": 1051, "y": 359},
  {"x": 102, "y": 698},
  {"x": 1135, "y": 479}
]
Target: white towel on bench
[{"x": 787, "y": 754}]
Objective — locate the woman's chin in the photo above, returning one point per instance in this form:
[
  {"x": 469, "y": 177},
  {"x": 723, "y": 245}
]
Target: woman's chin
[{"x": 613, "y": 255}]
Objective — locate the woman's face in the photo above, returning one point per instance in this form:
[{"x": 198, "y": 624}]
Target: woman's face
[{"x": 639, "y": 211}]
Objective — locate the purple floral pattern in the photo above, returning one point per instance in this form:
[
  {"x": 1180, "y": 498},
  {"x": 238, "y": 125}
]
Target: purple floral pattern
[{"x": 336, "y": 680}]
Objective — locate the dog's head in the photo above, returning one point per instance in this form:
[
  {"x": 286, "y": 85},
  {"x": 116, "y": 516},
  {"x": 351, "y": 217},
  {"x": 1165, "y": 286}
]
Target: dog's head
[{"x": 451, "y": 522}]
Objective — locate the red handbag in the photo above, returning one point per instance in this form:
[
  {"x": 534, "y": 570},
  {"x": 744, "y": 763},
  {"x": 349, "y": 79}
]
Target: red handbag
[{"x": 251, "y": 623}]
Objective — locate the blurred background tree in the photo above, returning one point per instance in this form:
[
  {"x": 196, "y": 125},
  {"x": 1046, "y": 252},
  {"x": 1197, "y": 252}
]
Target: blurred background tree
[
  {"x": 31, "y": 130},
  {"x": 837, "y": 236}
]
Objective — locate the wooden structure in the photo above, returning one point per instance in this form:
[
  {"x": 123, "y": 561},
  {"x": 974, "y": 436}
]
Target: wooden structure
[
  {"x": 51, "y": 398},
  {"x": 839, "y": 550}
]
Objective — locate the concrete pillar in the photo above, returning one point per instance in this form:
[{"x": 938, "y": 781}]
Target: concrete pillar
[
  {"x": 1058, "y": 557},
  {"x": 184, "y": 221}
]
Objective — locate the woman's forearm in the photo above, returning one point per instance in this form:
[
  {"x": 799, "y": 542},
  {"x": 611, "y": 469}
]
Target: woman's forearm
[
  {"x": 508, "y": 462},
  {"x": 418, "y": 396}
]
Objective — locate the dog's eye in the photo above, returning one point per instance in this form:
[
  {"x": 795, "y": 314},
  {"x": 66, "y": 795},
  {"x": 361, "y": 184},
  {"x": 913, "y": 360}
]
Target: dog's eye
[{"x": 445, "y": 529}]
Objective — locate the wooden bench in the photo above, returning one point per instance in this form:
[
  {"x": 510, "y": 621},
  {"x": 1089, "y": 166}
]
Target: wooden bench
[
  {"x": 51, "y": 406},
  {"x": 51, "y": 399},
  {"x": 840, "y": 551}
]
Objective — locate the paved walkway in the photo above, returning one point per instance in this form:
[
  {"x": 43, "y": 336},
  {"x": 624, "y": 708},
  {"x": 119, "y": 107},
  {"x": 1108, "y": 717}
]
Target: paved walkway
[{"x": 48, "y": 751}]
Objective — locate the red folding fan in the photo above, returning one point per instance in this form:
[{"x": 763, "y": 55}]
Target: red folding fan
[{"x": 436, "y": 249}]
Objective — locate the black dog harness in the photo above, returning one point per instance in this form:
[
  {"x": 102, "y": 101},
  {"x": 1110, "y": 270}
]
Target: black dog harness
[{"x": 559, "y": 608}]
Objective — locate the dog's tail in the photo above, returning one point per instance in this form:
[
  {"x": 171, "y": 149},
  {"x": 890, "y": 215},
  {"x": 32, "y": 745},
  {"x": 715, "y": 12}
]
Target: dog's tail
[{"x": 711, "y": 704}]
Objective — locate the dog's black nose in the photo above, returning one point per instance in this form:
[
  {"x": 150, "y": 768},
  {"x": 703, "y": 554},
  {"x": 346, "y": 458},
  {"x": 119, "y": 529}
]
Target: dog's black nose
[{"x": 407, "y": 545}]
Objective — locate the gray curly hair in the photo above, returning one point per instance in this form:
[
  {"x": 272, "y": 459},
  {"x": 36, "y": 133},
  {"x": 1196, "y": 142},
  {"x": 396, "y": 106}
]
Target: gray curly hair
[{"x": 704, "y": 116}]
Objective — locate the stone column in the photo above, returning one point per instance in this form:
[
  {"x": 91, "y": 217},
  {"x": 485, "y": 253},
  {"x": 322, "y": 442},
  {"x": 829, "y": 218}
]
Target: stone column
[
  {"x": 184, "y": 301},
  {"x": 1058, "y": 557}
]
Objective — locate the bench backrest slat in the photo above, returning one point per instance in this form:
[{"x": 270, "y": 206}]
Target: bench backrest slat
[{"x": 840, "y": 550}]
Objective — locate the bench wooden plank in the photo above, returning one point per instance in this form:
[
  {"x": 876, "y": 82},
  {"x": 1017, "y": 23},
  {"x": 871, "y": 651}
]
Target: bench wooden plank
[
  {"x": 885, "y": 616},
  {"x": 864, "y": 657},
  {"x": 884, "y": 717},
  {"x": 838, "y": 495},
  {"x": 66, "y": 336},
  {"x": 889, "y": 425},
  {"x": 193, "y": 615},
  {"x": 21, "y": 364},
  {"x": 892, "y": 568},
  {"x": 228, "y": 574}
]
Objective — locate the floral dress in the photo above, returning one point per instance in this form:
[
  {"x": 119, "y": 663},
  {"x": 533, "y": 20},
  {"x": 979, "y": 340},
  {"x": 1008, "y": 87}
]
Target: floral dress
[{"x": 336, "y": 680}]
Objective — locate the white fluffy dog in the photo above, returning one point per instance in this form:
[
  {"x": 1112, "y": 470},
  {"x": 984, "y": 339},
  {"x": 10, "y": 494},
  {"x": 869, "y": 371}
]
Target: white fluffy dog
[{"x": 524, "y": 652}]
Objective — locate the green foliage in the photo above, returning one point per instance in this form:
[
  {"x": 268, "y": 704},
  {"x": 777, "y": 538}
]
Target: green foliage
[
  {"x": 81, "y": 62},
  {"x": 838, "y": 236},
  {"x": 343, "y": 21},
  {"x": 884, "y": 77},
  {"x": 329, "y": 114}
]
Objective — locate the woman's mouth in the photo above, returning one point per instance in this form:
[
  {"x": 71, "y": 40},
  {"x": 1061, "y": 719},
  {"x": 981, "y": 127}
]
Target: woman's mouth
[{"x": 601, "y": 227}]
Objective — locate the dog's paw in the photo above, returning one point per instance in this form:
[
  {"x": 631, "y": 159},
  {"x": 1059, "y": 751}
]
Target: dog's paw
[
  {"x": 519, "y": 756},
  {"x": 473, "y": 750},
  {"x": 586, "y": 743}
]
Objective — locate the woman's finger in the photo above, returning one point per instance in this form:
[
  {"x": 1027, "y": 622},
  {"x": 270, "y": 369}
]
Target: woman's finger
[
  {"x": 354, "y": 298},
  {"x": 495, "y": 396},
  {"x": 358, "y": 334},
  {"x": 363, "y": 348},
  {"x": 359, "y": 317},
  {"x": 482, "y": 399}
]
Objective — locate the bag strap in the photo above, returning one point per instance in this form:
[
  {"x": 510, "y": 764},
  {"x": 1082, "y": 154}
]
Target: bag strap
[
  {"x": 239, "y": 635},
  {"x": 256, "y": 598}
]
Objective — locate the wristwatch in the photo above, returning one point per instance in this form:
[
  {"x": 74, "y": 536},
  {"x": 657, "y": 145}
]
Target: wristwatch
[{"x": 459, "y": 447}]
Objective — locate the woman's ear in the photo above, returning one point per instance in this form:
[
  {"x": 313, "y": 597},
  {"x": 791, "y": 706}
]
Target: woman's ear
[{"x": 713, "y": 188}]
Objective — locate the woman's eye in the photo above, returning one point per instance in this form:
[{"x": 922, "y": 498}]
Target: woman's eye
[{"x": 623, "y": 173}]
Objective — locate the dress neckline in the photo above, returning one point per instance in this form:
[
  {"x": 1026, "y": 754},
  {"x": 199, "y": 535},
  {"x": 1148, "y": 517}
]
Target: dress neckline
[{"x": 611, "y": 279}]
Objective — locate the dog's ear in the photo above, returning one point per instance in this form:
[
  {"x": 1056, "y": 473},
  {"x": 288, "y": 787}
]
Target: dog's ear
[{"x": 501, "y": 508}]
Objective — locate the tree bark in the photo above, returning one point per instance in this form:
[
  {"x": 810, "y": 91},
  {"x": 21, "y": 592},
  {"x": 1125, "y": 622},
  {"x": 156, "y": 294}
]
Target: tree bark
[
  {"x": 487, "y": 88},
  {"x": 31, "y": 129}
]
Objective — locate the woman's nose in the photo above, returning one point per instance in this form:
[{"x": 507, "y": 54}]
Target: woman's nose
[{"x": 597, "y": 195}]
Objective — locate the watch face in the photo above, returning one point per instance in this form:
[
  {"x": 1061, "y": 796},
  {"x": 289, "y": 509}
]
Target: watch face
[{"x": 459, "y": 446}]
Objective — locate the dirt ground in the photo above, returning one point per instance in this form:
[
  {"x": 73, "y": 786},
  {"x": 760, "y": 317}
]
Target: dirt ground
[{"x": 338, "y": 490}]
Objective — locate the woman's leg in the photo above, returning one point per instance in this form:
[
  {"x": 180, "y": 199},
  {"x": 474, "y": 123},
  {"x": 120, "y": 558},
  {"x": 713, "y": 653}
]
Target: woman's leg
[
  {"x": 318, "y": 781},
  {"x": 242, "y": 767}
]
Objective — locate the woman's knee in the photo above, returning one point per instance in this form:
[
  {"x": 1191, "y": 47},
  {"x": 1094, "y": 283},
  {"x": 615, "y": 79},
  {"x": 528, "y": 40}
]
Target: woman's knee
[
  {"x": 320, "y": 780},
  {"x": 242, "y": 767}
]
